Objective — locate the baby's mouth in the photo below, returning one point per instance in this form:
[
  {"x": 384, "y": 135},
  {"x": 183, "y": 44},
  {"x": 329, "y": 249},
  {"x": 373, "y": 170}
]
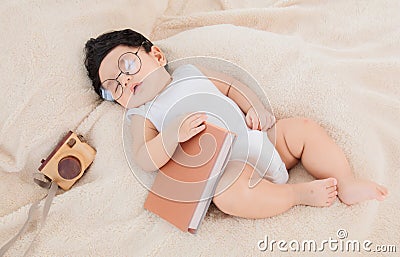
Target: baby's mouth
[{"x": 134, "y": 87}]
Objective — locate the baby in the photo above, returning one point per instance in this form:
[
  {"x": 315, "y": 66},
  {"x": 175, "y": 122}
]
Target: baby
[{"x": 167, "y": 109}]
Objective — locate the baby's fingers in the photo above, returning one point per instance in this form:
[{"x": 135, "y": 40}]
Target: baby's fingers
[
  {"x": 263, "y": 123},
  {"x": 272, "y": 121},
  {"x": 255, "y": 122},
  {"x": 198, "y": 119},
  {"x": 267, "y": 124},
  {"x": 196, "y": 130},
  {"x": 252, "y": 122}
]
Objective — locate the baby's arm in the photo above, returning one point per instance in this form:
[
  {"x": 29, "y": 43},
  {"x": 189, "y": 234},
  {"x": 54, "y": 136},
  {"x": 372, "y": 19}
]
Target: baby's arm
[
  {"x": 151, "y": 149},
  {"x": 243, "y": 96}
]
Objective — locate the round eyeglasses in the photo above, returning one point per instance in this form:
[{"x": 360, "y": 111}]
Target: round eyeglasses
[{"x": 129, "y": 63}]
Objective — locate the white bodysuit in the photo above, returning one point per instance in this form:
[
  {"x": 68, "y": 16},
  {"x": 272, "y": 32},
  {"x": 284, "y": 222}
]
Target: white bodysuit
[{"x": 191, "y": 91}]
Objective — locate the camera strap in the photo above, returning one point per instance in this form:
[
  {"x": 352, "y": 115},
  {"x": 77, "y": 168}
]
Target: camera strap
[
  {"x": 45, "y": 182},
  {"x": 32, "y": 213}
]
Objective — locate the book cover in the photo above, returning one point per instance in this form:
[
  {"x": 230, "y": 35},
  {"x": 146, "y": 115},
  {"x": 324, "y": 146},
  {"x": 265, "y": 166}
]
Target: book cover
[{"x": 183, "y": 188}]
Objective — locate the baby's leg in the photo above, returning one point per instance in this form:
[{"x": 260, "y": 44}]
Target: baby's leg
[
  {"x": 266, "y": 199},
  {"x": 304, "y": 139}
]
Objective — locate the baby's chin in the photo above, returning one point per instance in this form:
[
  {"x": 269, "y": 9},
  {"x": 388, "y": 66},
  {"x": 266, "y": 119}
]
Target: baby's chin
[
  {"x": 135, "y": 101},
  {"x": 132, "y": 104}
]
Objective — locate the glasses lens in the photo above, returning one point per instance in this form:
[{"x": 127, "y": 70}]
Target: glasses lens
[
  {"x": 118, "y": 92},
  {"x": 111, "y": 86},
  {"x": 129, "y": 63}
]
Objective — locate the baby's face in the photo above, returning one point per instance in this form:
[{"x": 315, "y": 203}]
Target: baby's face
[{"x": 142, "y": 86}]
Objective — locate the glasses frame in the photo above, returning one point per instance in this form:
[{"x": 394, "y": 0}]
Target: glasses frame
[{"x": 105, "y": 93}]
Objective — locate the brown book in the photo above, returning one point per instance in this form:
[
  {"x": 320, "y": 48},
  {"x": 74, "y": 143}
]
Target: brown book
[{"x": 183, "y": 188}]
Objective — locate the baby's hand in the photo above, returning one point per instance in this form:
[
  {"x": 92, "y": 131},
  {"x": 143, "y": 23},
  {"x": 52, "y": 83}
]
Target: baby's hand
[
  {"x": 191, "y": 126},
  {"x": 263, "y": 121}
]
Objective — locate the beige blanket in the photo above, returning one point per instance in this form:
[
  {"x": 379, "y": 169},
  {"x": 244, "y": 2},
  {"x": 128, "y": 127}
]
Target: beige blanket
[{"x": 337, "y": 62}]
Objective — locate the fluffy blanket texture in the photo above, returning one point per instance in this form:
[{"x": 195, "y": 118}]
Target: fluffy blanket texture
[{"x": 336, "y": 62}]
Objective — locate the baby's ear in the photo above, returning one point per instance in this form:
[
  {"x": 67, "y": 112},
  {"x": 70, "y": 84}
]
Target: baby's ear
[{"x": 158, "y": 55}]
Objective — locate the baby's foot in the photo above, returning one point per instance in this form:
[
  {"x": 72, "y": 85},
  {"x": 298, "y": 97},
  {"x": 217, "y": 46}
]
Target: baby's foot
[
  {"x": 355, "y": 191},
  {"x": 320, "y": 192}
]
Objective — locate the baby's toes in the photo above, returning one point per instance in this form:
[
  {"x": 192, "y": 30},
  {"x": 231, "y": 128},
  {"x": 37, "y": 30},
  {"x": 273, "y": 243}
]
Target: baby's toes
[
  {"x": 330, "y": 201},
  {"x": 379, "y": 196},
  {"x": 331, "y": 189},
  {"x": 383, "y": 190},
  {"x": 332, "y": 197},
  {"x": 331, "y": 182},
  {"x": 332, "y": 194}
]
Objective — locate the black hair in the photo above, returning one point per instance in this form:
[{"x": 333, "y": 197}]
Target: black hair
[{"x": 97, "y": 48}]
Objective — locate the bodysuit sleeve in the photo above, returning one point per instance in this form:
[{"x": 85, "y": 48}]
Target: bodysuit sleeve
[{"x": 139, "y": 110}]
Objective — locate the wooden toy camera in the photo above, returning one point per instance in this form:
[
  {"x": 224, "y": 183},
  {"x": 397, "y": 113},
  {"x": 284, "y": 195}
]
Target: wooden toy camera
[{"x": 68, "y": 161}]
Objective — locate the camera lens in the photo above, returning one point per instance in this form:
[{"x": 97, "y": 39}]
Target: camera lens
[{"x": 69, "y": 167}]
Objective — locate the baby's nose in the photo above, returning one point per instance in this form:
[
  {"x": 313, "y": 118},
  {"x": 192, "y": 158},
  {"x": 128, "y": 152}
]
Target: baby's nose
[{"x": 126, "y": 81}]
